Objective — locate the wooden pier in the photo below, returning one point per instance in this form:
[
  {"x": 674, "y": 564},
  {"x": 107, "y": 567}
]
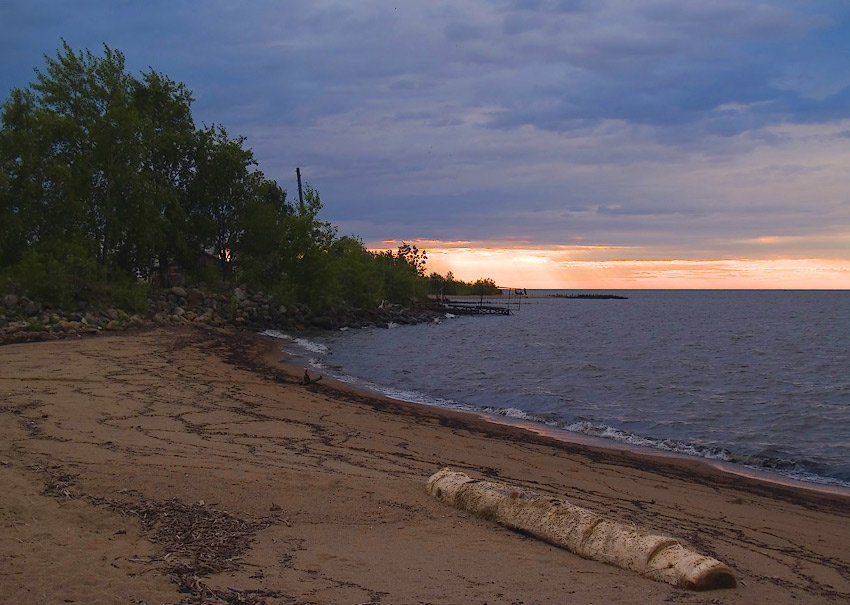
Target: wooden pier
[{"x": 460, "y": 308}]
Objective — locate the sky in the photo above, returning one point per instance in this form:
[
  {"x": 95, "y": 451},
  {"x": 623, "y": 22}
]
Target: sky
[{"x": 568, "y": 144}]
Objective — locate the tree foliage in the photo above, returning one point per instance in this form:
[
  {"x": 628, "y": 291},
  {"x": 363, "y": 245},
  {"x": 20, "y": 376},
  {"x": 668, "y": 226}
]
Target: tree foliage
[{"x": 105, "y": 180}]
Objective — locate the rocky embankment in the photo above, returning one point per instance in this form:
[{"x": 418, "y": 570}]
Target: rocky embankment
[{"x": 24, "y": 320}]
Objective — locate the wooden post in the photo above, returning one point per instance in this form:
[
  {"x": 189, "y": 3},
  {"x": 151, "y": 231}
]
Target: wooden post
[{"x": 300, "y": 192}]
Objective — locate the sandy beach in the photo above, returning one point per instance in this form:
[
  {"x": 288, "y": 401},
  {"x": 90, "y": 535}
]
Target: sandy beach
[{"x": 187, "y": 465}]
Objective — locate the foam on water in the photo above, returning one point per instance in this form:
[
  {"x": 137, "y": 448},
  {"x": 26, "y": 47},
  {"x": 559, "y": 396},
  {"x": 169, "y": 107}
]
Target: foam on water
[{"x": 303, "y": 343}]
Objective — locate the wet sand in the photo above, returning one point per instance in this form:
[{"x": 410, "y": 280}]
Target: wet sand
[{"x": 183, "y": 465}]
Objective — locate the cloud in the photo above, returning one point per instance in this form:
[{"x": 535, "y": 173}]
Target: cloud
[{"x": 682, "y": 129}]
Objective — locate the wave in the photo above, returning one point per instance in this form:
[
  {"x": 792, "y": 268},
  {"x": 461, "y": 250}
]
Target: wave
[
  {"x": 304, "y": 344},
  {"x": 805, "y": 470}
]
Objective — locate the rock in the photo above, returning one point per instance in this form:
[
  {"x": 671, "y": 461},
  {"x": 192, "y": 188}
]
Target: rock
[
  {"x": 10, "y": 301},
  {"x": 15, "y": 337},
  {"x": 324, "y": 322},
  {"x": 178, "y": 291},
  {"x": 16, "y": 326},
  {"x": 113, "y": 325},
  {"x": 195, "y": 297},
  {"x": 70, "y": 327},
  {"x": 31, "y": 309},
  {"x": 239, "y": 294}
]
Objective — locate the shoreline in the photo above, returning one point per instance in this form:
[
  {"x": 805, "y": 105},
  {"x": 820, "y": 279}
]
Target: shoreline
[
  {"x": 712, "y": 472},
  {"x": 113, "y": 446},
  {"x": 733, "y": 469},
  {"x": 567, "y": 436}
]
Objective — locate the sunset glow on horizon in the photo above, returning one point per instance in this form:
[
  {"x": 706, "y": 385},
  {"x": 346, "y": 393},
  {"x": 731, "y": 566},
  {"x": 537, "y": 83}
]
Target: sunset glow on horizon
[{"x": 586, "y": 268}]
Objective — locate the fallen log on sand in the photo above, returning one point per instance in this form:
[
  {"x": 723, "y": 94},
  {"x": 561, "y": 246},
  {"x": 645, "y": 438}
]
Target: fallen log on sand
[{"x": 581, "y": 531}]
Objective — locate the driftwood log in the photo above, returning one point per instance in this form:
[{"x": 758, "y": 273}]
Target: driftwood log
[{"x": 581, "y": 531}]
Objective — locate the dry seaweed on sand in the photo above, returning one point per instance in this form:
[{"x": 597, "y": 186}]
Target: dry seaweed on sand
[
  {"x": 201, "y": 594},
  {"x": 196, "y": 541}
]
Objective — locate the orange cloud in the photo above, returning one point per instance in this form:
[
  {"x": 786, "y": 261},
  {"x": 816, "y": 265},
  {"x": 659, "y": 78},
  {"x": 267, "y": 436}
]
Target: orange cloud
[{"x": 587, "y": 267}]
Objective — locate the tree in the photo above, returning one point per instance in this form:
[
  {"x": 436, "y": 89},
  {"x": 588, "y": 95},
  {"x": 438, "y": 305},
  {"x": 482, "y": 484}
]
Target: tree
[
  {"x": 93, "y": 155},
  {"x": 485, "y": 287},
  {"x": 414, "y": 257},
  {"x": 305, "y": 244},
  {"x": 262, "y": 223},
  {"x": 104, "y": 177},
  {"x": 87, "y": 103},
  {"x": 167, "y": 165},
  {"x": 357, "y": 283},
  {"x": 221, "y": 187},
  {"x": 22, "y": 177}
]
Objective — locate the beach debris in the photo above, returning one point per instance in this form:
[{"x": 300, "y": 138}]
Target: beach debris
[
  {"x": 581, "y": 531},
  {"x": 307, "y": 381},
  {"x": 196, "y": 539},
  {"x": 202, "y": 594}
]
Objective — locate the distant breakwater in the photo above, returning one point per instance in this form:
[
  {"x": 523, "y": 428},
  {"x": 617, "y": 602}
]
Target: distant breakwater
[{"x": 23, "y": 319}]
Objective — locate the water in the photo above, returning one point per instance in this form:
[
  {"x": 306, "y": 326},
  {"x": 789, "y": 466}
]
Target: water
[{"x": 759, "y": 378}]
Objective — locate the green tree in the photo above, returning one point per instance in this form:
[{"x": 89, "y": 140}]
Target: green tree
[
  {"x": 357, "y": 283},
  {"x": 92, "y": 155},
  {"x": 222, "y": 186},
  {"x": 262, "y": 226},
  {"x": 87, "y": 103},
  {"x": 167, "y": 165},
  {"x": 305, "y": 244},
  {"x": 104, "y": 177},
  {"x": 414, "y": 257},
  {"x": 485, "y": 287}
]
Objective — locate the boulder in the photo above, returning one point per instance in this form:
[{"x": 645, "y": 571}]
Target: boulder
[
  {"x": 195, "y": 297},
  {"x": 70, "y": 327},
  {"x": 16, "y": 326},
  {"x": 32, "y": 308}
]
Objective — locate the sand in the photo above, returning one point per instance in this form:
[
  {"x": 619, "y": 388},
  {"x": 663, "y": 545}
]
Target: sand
[{"x": 183, "y": 465}]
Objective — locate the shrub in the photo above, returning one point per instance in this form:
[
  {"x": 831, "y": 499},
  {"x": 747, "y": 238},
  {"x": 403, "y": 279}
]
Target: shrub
[{"x": 132, "y": 298}]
